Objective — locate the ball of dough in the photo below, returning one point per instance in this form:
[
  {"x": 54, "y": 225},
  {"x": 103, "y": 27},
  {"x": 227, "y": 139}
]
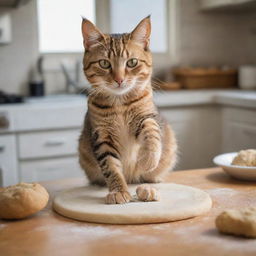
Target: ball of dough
[
  {"x": 22, "y": 200},
  {"x": 147, "y": 193},
  {"x": 238, "y": 222},
  {"x": 245, "y": 158}
]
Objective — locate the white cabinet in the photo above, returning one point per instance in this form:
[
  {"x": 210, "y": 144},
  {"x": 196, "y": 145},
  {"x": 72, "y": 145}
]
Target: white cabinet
[
  {"x": 239, "y": 129},
  {"x": 198, "y": 134},
  {"x": 205, "y": 131},
  {"x": 49, "y": 155},
  {"x": 48, "y": 144},
  {"x": 43, "y": 116},
  {"x": 39, "y": 139},
  {"x": 8, "y": 160},
  {"x": 50, "y": 169}
]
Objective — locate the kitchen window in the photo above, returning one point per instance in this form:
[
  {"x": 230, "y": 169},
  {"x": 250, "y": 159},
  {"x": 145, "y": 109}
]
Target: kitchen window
[
  {"x": 124, "y": 17},
  {"x": 59, "y": 24}
]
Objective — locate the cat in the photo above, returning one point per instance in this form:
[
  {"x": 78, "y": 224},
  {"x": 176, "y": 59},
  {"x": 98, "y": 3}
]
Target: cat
[{"x": 124, "y": 139}]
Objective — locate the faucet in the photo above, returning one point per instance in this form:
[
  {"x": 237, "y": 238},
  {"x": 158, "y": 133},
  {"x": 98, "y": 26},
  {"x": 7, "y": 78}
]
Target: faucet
[{"x": 73, "y": 81}]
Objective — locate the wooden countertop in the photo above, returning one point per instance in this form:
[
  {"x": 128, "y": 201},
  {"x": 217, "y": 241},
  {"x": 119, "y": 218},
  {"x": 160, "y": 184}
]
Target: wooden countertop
[{"x": 48, "y": 233}]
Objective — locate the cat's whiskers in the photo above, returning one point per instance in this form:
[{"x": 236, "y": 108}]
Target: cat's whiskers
[
  {"x": 97, "y": 84},
  {"x": 100, "y": 90},
  {"x": 82, "y": 90},
  {"x": 95, "y": 91},
  {"x": 89, "y": 89},
  {"x": 156, "y": 83}
]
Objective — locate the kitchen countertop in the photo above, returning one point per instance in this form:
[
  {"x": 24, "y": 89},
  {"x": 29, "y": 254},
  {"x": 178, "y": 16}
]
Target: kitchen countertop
[
  {"x": 48, "y": 233},
  {"x": 198, "y": 97},
  {"x": 162, "y": 99}
]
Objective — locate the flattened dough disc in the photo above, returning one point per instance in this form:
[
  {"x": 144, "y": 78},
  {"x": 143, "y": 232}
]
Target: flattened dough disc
[{"x": 177, "y": 202}]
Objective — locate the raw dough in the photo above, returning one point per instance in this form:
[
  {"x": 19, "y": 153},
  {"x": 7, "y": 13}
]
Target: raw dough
[
  {"x": 22, "y": 200},
  {"x": 238, "y": 222},
  {"x": 177, "y": 202},
  {"x": 147, "y": 193},
  {"x": 245, "y": 158}
]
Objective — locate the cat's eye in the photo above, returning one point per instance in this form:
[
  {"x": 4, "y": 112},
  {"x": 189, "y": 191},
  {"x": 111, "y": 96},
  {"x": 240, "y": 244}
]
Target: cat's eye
[
  {"x": 104, "y": 64},
  {"x": 131, "y": 63}
]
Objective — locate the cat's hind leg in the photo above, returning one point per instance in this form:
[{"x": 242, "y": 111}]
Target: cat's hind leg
[
  {"x": 90, "y": 166},
  {"x": 88, "y": 162}
]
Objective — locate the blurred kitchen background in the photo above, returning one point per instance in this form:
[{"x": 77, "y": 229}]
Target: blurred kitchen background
[{"x": 204, "y": 78}]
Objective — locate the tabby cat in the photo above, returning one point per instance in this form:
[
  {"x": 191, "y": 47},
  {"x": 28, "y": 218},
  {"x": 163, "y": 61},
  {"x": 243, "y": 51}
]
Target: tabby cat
[{"x": 124, "y": 139}]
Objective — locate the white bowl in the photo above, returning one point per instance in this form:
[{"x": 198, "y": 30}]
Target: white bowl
[{"x": 236, "y": 171}]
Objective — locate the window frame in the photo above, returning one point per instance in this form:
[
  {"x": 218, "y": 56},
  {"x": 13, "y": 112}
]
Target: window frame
[{"x": 56, "y": 52}]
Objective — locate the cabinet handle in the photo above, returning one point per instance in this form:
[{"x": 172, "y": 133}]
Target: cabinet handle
[
  {"x": 54, "y": 142},
  {"x": 2, "y": 148}
]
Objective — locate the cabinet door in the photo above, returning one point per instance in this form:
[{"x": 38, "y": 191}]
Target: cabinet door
[
  {"x": 197, "y": 131},
  {"x": 48, "y": 144},
  {"x": 239, "y": 129},
  {"x": 50, "y": 169},
  {"x": 187, "y": 144},
  {"x": 238, "y": 136},
  {"x": 8, "y": 160},
  {"x": 184, "y": 124}
]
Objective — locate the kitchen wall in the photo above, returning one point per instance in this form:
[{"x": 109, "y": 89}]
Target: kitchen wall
[
  {"x": 216, "y": 37},
  {"x": 251, "y": 39},
  {"x": 203, "y": 38},
  {"x": 17, "y": 58}
]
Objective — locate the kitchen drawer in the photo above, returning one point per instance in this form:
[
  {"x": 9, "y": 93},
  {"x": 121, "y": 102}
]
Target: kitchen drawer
[
  {"x": 52, "y": 115},
  {"x": 48, "y": 144},
  {"x": 50, "y": 169}
]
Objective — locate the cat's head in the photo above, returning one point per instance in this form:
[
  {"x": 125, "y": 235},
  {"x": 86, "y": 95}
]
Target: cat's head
[{"x": 117, "y": 63}]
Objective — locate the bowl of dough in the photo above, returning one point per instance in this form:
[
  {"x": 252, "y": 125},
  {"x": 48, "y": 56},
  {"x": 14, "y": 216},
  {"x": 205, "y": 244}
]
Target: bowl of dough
[{"x": 240, "y": 165}]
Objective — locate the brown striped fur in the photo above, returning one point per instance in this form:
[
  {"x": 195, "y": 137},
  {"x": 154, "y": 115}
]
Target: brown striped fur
[{"x": 124, "y": 139}]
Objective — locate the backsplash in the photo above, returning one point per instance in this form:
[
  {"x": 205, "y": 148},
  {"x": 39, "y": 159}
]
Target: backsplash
[
  {"x": 17, "y": 58},
  {"x": 216, "y": 37}
]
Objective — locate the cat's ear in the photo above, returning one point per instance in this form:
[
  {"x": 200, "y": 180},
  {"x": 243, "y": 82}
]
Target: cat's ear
[
  {"x": 141, "y": 34},
  {"x": 91, "y": 34}
]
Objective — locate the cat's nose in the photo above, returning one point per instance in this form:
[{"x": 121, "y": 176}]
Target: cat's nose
[{"x": 119, "y": 80}]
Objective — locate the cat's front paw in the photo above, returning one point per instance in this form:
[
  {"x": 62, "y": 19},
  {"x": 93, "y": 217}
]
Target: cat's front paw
[
  {"x": 121, "y": 197},
  {"x": 147, "y": 193},
  {"x": 149, "y": 160}
]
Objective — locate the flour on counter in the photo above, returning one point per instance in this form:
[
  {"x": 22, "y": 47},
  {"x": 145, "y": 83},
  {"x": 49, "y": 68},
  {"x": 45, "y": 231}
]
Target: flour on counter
[
  {"x": 214, "y": 238},
  {"x": 222, "y": 192}
]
